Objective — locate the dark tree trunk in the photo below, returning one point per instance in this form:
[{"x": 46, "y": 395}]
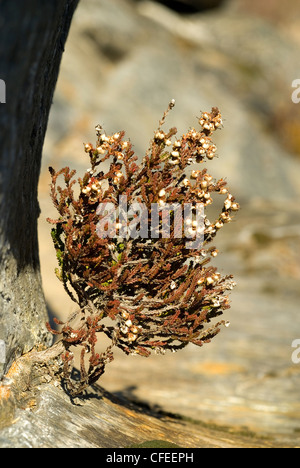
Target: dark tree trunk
[{"x": 32, "y": 38}]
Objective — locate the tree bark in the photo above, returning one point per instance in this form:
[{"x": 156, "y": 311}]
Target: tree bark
[{"x": 32, "y": 38}]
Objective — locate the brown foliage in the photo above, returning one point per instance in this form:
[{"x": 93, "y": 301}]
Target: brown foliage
[{"x": 158, "y": 293}]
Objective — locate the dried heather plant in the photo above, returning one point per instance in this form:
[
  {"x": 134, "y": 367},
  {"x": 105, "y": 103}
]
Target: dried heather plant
[{"x": 159, "y": 293}]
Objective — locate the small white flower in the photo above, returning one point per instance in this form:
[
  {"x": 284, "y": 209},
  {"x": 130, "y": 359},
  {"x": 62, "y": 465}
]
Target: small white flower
[
  {"x": 132, "y": 337},
  {"x": 227, "y": 204},
  {"x": 216, "y": 303},
  {"x": 160, "y": 136},
  {"x": 100, "y": 150},
  {"x": 225, "y": 217},
  {"x": 88, "y": 147},
  {"x": 223, "y": 191},
  {"x": 210, "y": 155},
  {"x": 104, "y": 138},
  {"x": 86, "y": 190},
  {"x": 219, "y": 224},
  {"x": 209, "y": 280}
]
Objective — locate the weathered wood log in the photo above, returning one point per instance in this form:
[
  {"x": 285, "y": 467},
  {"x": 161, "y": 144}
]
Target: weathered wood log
[{"x": 36, "y": 412}]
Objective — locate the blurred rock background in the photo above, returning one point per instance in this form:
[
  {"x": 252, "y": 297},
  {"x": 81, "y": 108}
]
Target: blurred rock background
[{"x": 124, "y": 61}]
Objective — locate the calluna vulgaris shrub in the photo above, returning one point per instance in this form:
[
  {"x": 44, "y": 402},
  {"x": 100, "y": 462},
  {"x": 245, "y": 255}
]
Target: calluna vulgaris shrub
[{"x": 158, "y": 293}]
